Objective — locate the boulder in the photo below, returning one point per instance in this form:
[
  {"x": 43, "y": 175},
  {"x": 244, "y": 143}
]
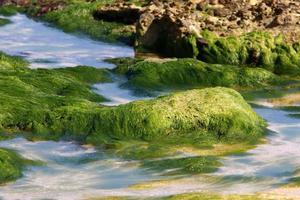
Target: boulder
[{"x": 126, "y": 13}]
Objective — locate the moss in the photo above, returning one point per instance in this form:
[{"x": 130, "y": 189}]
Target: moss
[
  {"x": 8, "y": 10},
  {"x": 34, "y": 100},
  {"x": 61, "y": 101},
  {"x": 51, "y": 104},
  {"x": 190, "y": 165},
  {"x": 77, "y": 16},
  {"x": 190, "y": 73},
  {"x": 186, "y": 47},
  {"x": 220, "y": 111},
  {"x": 4, "y": 21},
  {"x": 259, "y": 49},
  {"x": 11, "y": 165}
]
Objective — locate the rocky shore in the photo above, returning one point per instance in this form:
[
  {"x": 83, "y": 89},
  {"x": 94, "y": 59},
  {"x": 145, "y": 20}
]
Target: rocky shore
[
  {"x": 215, "y": 46},
  {"x": 165, "y": 25}
]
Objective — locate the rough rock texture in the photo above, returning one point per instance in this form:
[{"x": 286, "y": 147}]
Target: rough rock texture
[
  {"x": 167, "y": 26},
  {"x": 126, "y": 13}
]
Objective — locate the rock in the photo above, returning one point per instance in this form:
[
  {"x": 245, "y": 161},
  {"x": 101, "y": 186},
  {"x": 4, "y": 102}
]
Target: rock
[
  {"x": 164, "y": 28},
  {"x": 221, "y": 12},
  {"x": 124, "y": 13},
  {"x": 237, "y": 16}
]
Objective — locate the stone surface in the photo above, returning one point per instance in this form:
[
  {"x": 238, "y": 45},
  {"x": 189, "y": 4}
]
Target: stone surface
[{"x": 161, "y": 23}]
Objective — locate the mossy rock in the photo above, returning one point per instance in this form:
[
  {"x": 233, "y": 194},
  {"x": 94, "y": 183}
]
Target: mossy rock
[
  {"x": 77, "y": 17},
  {"x": 8, "y": 10},
  {"x": 221, "y": 112},
  {"x": 33, "y": 100},
  {"x": 257, "y": 49},
  {"x": 4, "y": 21},
  {"x": 11, "y": 165},
  {"x": 191, "y": 73},
  {"x": 58, "y": 103}
]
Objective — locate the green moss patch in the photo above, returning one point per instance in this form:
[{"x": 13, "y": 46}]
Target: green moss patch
[
  {"x": 259, "y": 49},
  {"x": 11, "y": 165},
  {"x": 52, "y": 104},
  {"x": 190, "y": 73},
  {"x": 220, "y": 111},
  {"x": 35, "y": 100},
  {"x": 77, "y": 16},
  {"x": 61, "y": 101},
  {"x": 8, "y": 10},
  {"x": 190, "y": 165},
  {"x": 4, "y": 21}
]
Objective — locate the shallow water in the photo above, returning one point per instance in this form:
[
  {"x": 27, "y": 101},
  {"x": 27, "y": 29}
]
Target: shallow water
[
  {"x": 271, "y": 164},
  {"x": 46, "y": 47},
  {"x": 72, "y": 171},
  {"x": 115, "y": 93}
]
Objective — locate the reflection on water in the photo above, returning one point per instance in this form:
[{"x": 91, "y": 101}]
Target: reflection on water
[{"x": 46, "y": 47}]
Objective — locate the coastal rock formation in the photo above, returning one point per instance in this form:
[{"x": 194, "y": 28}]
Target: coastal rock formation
[
  {"x": 123, "y": 12},
  {"x": 169, "y": 26}
]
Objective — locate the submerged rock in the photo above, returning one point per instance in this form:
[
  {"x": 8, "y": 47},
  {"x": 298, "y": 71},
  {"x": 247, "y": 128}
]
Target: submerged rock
[
  {"x": 218, "y": 112},
  {"x": 174, "y": 28},
  {"x": 123, "y": 12},
  {"x": 57, "y": 103},
  {"x": 186, "y": 73},
  {"x": 11, "y": 166}
]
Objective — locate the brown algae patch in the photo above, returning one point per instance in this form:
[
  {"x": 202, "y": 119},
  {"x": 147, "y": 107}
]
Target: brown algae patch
[{"x": 287, "y": 100}]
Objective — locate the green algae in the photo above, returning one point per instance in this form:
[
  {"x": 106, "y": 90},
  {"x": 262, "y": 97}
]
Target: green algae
[
  {"x": 257, "y": 49},
  {"x": 77, "y": 16},
  {"x": 61, "y": 101},
  {"x": 190, "y": 73},
  {"x": 4, "y": 21},
  {"x": 8, "y": 10},
  {"x": 186, "y": 165},
  {"x": 219, "y": 111},
  {"x": 11, "y": 165},
  {"x": 32, "y": 100}
]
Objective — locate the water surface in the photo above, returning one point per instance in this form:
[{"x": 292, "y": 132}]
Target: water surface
[
  {"x": 46, "y": 47},
  {"x": 70, "y": 172}
]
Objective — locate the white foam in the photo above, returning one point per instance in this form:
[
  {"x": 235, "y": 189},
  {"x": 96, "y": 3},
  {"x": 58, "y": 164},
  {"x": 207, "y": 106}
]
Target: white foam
[{"x": 70, "y": 172}]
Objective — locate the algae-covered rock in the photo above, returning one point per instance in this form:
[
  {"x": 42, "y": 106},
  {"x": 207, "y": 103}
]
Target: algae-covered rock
[
  {"x": 4, "y": 21},
  {"x": 56, "y": 103},
  {"x": 190, "y": 73},
  {"x": 33, "y": 100},
  {"x": 257, "y": 49},
  {"x": 77, "y": 16},
  {"x": 219, "y": 111},
  {"x": 10, "y": 166},
  {"x": 8, "y": 10}
]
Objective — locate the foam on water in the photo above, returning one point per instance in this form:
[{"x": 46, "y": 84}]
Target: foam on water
[
  {"x": 70, "y": 171},
  {"x": 115, "y": 93},
  {"x": 270, "y": 164},
  {"x": 46, "y": 47}
]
